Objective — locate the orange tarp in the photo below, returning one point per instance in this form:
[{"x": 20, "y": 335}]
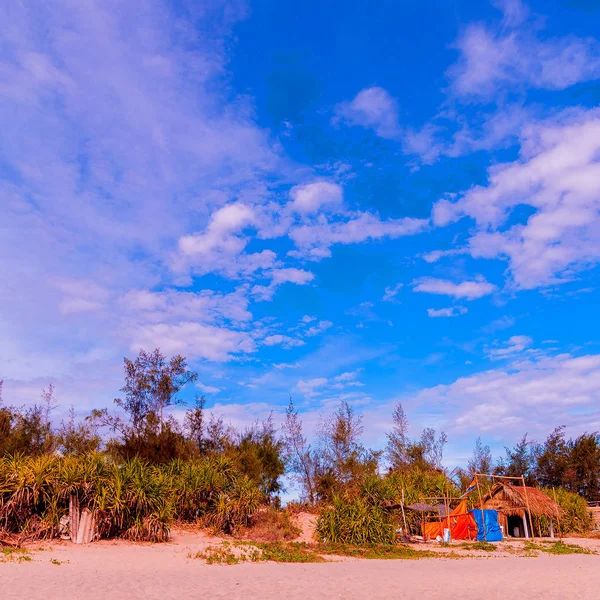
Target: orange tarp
[{"x": 462, "y": 525}]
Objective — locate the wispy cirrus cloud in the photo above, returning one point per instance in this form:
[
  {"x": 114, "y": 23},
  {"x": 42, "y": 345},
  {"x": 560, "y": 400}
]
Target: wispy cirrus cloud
[
  {"x": 515, "y": 345},
  {"x": 453, "y": 311}
]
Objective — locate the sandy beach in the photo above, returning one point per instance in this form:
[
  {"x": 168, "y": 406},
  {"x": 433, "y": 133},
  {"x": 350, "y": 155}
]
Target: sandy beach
[{"x": 123, "y": 570}]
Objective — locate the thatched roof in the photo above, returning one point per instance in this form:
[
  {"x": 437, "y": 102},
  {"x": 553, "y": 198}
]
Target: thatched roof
[
  {"x": 513, "y": 500},
  {"x": 440, "y": 509}
]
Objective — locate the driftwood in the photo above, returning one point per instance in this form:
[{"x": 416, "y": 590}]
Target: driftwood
[{"x": 82, "y": 522}]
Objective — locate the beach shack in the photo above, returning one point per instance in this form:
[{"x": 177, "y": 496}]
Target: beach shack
[{"x": 515, "y": 502}]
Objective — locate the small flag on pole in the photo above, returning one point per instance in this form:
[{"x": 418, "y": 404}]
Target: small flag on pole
[{"x": 471, "y": 487}]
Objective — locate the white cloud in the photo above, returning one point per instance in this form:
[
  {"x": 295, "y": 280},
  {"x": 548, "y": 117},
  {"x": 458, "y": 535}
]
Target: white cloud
[
  {"x": 558, "y": 176},
  {"x": 373, "y": 108},
  {"x": 359, "y": 228},
  {"x": 171, "y": 305},
  {"x": 208, "y": 389},
  {"x": 435, "y": 255},
  {"x": 311, "y": 197},
  {"x": 469, "y": 290},
  {"x": 193, "y": 340},
  {"x": 453, "y": 311},
  {"x": 497, "y": 66},
  {"x": 515, "y": 345},
  {"x": 121, "y": 143},
  {"x": 279, "y": 277},
  {"x": 309, "y": 387},
  {"x": 391, "y": 291},
  {"x": 319, "y": 386},
  {"x": 514, "y": 55},
  {"x": 220, "y": 247},
  {"x": 557, "y": 390},
  {"x": 320, "y": 327},
  {"x": 282, "y": 366},
  {"x": 285, "y": 341}
]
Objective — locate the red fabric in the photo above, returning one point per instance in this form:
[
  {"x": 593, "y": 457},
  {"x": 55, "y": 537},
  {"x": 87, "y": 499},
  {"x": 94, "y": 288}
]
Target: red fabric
[{"x": 462, "y": 525}]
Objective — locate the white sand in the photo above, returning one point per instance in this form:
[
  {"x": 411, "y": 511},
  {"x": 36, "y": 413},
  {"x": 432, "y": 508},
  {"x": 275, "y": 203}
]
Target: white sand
[{"x": 121, "y": 570}]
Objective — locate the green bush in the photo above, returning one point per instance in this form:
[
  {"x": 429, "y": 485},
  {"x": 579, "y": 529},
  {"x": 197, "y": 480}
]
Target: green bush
[
  {"x": 355, "y": 522},
  {"x": 576, "y": 517},
  {"x": 132, "y": 499}
]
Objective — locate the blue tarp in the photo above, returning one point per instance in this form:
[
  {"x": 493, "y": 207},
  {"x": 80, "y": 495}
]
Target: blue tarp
[{"x": 492, "y": 531}]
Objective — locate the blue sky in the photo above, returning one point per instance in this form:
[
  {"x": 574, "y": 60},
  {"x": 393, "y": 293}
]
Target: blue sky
[{"x": 382, "y": 202}]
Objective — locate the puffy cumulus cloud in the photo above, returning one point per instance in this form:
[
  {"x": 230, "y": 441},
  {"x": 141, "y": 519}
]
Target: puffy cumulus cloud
[
  {"x": 220, "y": 248},
  {"x": 515, "y": 55},
  {"x": 558, "y": 177},
  {"x": 372, "y": 108},
  {"x": 193, "y": 340},
  {"x": 468, "y": 290},
  {"x": 311, "y": 197},
  {"x": 515, "y": 345},
  {"x": 558, "y": 390},
  {"x": 452, "y": 311}
]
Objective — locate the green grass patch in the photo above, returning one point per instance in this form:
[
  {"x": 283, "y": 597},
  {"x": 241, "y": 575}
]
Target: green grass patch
[
  {"x": 14, "y": 555},
  {"x": 299, "y": 552},
  {"x": 226, "y": 554},
  {"x": 485, "y": 546},
  {"x": 376, "y": 551},
  {"x": 220, "y": 555},
  {"x": 557, "y": 548},
  {"x": 291, "y": 552}
]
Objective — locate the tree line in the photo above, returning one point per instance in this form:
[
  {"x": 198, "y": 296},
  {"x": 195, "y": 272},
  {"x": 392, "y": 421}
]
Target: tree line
[{"x": 336, "y": 462}]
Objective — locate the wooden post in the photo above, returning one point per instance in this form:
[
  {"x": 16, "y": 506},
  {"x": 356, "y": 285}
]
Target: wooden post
[
  {"x": 447, "y": 506},
  {"x": 74, "y": 516},
  {"x": 525, "y": 526},
  {"x": 481, "y": 507},
  {"x": 557, "y": 515},
  {"x": 528, "y": 509},
  {"x": 551, "y": 528},
  {"x": 403, "y": 515}
]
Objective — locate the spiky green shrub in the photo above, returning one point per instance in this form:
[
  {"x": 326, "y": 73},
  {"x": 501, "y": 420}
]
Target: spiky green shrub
[
  {"x": 132, "y": 499},
  {"x": 576, "y": 517},
  {"x": 354, "y": 522},
  {"x": 235, "y": 506}
]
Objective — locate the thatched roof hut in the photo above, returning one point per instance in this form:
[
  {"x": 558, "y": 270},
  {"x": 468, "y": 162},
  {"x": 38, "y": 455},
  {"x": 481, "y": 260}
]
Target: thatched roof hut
[{"x": 512, "y": 500}]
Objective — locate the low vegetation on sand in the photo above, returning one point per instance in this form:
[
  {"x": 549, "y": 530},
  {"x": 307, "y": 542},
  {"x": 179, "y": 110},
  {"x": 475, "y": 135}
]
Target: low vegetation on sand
[
  {"x": 558, "y": 547},
  {"x": 11, "y": 554},
  {"x": 231, "y": 554}
]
